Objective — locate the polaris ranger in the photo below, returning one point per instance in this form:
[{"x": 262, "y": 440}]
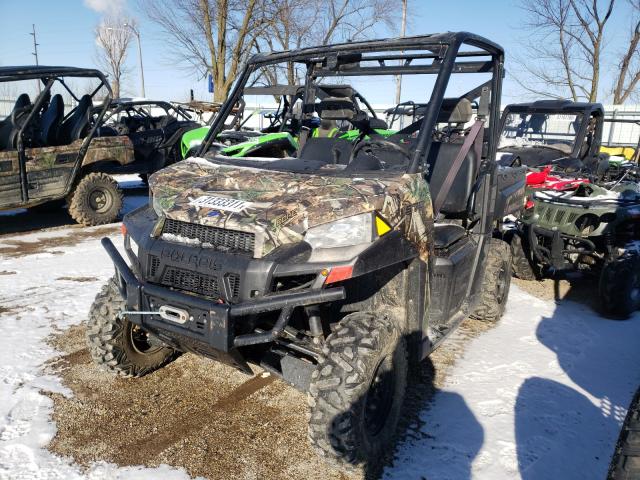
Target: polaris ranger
[{"x": 339, "y": 268}]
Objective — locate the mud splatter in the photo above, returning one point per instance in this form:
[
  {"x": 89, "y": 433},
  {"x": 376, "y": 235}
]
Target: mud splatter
[{"x": 78, "y": 279}]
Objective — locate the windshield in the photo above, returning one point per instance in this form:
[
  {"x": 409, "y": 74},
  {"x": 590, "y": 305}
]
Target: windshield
[
  {"x": 329, "y": 111},
  {"x": 550, "y": 130}
]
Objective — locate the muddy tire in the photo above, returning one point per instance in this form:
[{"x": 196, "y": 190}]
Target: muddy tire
[
  {"x": 495, "y": 283},
  {"x": 357, "y": 390},
  {"x": 620, "y": 287},
  {"x": 625, "y": 464},
  {"x": 117, "y": 344},
  {"x": 521, "y": 259},
  {"x": 96, "y": 200}
]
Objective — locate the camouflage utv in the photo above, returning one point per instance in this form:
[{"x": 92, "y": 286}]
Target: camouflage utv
[
  {"x": 48, "y": 155},
  {"x": 337, "y": 269}
]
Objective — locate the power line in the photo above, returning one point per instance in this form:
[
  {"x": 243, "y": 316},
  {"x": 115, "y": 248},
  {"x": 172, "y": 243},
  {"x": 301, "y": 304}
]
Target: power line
[{"x": 35, "y": 48}]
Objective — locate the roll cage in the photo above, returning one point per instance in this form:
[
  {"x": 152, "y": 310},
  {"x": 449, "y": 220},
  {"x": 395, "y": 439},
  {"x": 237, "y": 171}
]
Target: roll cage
[
  {"x": 138, "y": 106},
  {"x": 290, "y": 94},
  {"x": 564, "y": 107},
  {"x": 438, "y": 54},
  {"x": 48, "y": 76}
]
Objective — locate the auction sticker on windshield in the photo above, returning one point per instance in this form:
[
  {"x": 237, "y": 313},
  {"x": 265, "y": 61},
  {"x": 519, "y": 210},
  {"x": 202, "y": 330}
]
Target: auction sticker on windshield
[{"x": 220, "y": 203}]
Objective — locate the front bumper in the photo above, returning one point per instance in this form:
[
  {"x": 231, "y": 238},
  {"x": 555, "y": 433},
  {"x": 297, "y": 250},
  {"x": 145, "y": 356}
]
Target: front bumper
[
  {"x": 210, "y": 328},
  {"x": 556, "y": 250}
]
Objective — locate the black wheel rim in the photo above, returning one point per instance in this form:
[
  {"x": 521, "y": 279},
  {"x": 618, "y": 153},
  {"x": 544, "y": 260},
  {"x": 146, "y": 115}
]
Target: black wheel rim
[
  {"x": 140, "y": 341},
  {"x": 100, "y": 200},
  {"x": 379, "y": 397}
]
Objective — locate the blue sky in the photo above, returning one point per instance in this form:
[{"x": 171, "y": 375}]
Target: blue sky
[{"x": 65, "y": 34}]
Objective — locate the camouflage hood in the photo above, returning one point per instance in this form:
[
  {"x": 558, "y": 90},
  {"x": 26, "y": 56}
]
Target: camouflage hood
[{"x": 279, "y": 207}]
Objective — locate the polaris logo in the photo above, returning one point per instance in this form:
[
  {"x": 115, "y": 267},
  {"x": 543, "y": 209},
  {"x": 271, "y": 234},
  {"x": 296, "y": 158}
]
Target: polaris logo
[
  {"x": 200, "y": 262},
  {"x": 220, "y": 203}
]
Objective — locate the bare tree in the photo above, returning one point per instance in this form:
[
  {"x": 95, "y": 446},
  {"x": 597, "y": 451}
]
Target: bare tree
[
  {"x": 210, "y": 36},
  {"x": 628, "y": 75},
  {"x": 294, "y": 24},
  {"x": 343, "y": 20},
  {"x": 565, "y": 47},
  {"x": 113, "y": 40}
]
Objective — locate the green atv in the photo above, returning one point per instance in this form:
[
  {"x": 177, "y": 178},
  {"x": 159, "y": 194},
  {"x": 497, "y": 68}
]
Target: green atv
[
  {"x": 279, "y": 138},
  {"x": 590, "y": 228}
]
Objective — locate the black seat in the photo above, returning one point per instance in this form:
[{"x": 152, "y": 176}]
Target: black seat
[
  {"x": 441, "y": 156},
  {"x": 9, "y": 127},
  {"x": 76, "y": 125},
  {"x": 446, "y": 234},
  {"x": 50, "y": 122},
  {"x": 336, "y": 108}
]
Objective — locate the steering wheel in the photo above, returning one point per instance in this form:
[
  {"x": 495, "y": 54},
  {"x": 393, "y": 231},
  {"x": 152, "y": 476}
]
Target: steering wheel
[{"x": 367, "y": 145}]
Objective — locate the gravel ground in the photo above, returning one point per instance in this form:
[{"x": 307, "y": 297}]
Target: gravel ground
[{"x": 208, "y": 418}]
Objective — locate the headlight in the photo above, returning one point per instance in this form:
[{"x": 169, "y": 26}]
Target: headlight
[
  {"x": 345, "y": 232},
  {"x": 155, "y": 204}
]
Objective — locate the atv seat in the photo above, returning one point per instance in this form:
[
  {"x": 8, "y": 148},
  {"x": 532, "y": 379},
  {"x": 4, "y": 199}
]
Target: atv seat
[
  {"x": 441, "y": 156},
  {"x": 336, "y": 108},
  {"x": 76, "y": 125},
  {"x": 446, "y": 234},
  {"x": 50, "y": 122},
  {"x": 9, "y": 128}
]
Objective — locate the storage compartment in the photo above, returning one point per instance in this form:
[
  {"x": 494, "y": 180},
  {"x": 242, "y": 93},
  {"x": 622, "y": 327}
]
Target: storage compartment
[{"x": 450, "y": 280}]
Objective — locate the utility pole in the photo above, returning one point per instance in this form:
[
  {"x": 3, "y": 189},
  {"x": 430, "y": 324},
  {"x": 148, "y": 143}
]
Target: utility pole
[
  {"x": 403, "y": 31},
  {"x": 137, "y": 34},
  {"x": 35, "y": 49}
]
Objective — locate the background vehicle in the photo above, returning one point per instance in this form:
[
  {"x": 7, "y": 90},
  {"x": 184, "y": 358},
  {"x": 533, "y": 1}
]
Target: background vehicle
[
  {"x": 586, "y": 228},
  {"x": 279, "y": 138},
  {"x": 338, "y": 269},
  {"x": 154, "y": 127},
  {"x": 566, "y": 135},
  {"x": 623, "y": 159},
  {"x": 48, "y": 155}
]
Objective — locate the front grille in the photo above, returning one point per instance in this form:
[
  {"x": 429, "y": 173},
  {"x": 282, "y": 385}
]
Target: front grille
[
  {"x": 560, "y": 216},
  {"x": 194, "y": 282},
  {"x": 191, "y": 281},
  {"x": 154, "y": 263},
  {"x": 222, "y": 239},
  {"x": 233, "y": 282}
]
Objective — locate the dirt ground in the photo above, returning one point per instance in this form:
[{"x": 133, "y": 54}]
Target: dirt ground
[
  {"x": 205, "y": 417},
  {"x": 580, "y": 289},
  {"x": 19, "y": 248}
]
